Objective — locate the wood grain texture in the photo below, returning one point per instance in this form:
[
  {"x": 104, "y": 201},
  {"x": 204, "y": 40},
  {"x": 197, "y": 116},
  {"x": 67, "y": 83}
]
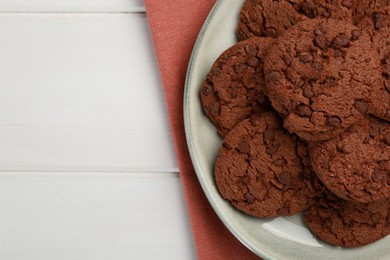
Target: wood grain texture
[
  {"x": 72, "y": 6},
  {"x": 93, "y": 216},
  {"x": 81, "y": 92},
  {"x": 87, "y": 167}
]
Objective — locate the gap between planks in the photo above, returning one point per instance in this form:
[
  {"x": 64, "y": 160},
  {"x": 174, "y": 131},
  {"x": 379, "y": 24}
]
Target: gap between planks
[
  {"x": 90, "y": 170},
  {"x": 86, "y": 174}
]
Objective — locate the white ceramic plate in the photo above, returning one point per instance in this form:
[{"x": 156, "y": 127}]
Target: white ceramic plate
[{"x": 278, "y": 238}]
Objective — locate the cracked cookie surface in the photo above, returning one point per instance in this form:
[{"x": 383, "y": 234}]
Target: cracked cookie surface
[
  {"x": 270, "y": 18},
  {"x": 356, "y": 164},
  {"x": 321, "y": 75},
  {"x": 259, "y": 171},
  {"x": 346, "y": 223},
  {"x": 234, "y": 87},
  {"x": 376, "y": 24}
]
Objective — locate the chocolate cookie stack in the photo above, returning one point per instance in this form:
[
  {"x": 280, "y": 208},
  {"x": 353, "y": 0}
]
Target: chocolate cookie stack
[{"x": 303, "y": 104}]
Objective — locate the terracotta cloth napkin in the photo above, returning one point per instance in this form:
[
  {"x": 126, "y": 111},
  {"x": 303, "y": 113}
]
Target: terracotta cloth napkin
[{"x": 175, "y": 25}]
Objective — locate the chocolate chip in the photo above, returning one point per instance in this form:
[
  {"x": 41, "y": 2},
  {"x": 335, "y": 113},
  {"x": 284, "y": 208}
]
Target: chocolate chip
[
  {"x": 304, "y": 111},
  {"x": 383, "y": 128},
  {"x": 239, "y": 67},
  {"x": 338, "y": 53},
  {"x": 214, "y": 111},
  {"x": 361, "y": 106},
  {"x": 274, "y": 77},
  {"x": 376, "y": 218},
  {"x": 352, "y": 129},
  {"x": 343, "y": 148},
  {"x": 255, "y": 120},
  {"x": 243, "y": 147},
  {"x": 251, "y": 51},
  {"x": 326, "y": 14},
  {"x": 327, "y": 223},
  {"x": 333, "y": 121},
  {"x": 249, "y": 198},
  {"x": 341, "y": 40},
  {"x": 380, "y": 20},
  {"x": 347, "y": 4},
  {"x": 287, "y": 59},
  {"x": 284, "y": 178},
  {"x": 306, "y": 57},
  {"x": 374, "y": 130},
  {"x": 330, "y": 82},
  {"x": 317, "y": 66},
  {"x": 318, "y": 31},
  {"x": 269, "y": 136},
  {"x": 280, "y": 162},
  {"x": 355, "y": 35},
  {"x": 270, "y": 32},
  {"x": 320, "y": 41},
  {"x": 288, "y": 48},
  {"x": 293, "y": 186},
  {"x": 308, "y": 8},
  {"x": 378, "y": 176},
  {"x": 273, "y": 149},
  {"x": 307, "y": 91},
  {"x": 233, "y": 92},
  {"x": 245, "y": 179},
  {"x": 206, "y": 90},
  {"x": 253, "y": 62}
]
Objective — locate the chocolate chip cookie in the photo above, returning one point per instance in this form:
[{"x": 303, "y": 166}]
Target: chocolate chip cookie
[
  {"x": 355, "y": 165},
  {"x": 270, "y": 18},
  {"x": 234, "y": 87},
  {"x": 377, "y": 25},
  {"x": 321, "y": 75},
  {"x": 346, "y": 223},
  {"x": 259, "y": 171}
]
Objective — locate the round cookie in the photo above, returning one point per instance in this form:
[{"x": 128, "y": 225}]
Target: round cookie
[
  {"x": 364, "y": 7},
  {"x": 321, "y": 75},
  {"x": 346, "y": 223},
  {"x": 377, "y": 25},
  {"x": 234, "y": 87},
  {"x": 258, "y": 169},
  {"x": 271, "y": 18},
  {"x": 356, "y": 164}
]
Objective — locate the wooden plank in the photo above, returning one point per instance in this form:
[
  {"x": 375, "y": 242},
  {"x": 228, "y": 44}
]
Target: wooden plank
[
  {"x": 72, "y": 6},
  {"x": 81, "y": 92},
  {"x": 93, "y": 216}
]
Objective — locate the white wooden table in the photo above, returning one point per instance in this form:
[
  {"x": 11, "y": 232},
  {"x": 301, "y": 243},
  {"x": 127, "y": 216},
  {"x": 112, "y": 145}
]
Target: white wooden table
[{"x": 87, "y": 167}]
